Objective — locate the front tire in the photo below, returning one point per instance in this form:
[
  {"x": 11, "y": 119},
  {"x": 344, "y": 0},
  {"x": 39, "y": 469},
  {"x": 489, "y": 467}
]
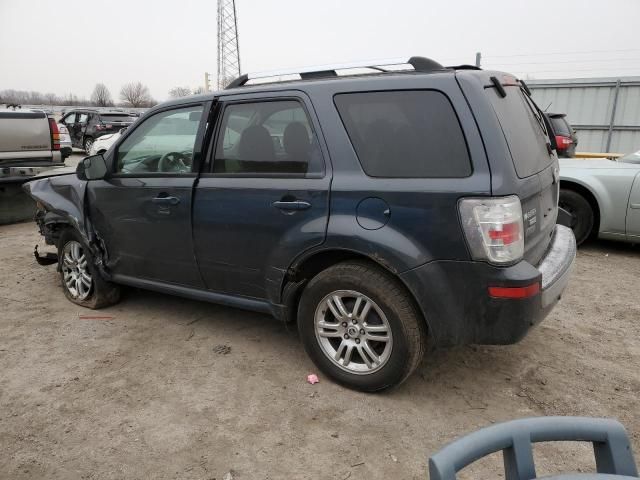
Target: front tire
[
  {"x": 360, "y": 327},
  {"x": 582, "y": 217},
  {"x": 81, "y": 281}
]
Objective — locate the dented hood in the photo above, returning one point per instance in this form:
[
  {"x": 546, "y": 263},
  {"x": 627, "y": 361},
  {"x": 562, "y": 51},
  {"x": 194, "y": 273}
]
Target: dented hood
[{"x": 61, "y": 195}]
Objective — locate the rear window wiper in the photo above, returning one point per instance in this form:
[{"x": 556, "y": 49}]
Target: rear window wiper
[{"x": 539, "y": 116}]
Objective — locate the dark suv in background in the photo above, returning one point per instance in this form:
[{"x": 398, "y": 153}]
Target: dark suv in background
[
  {"x": 86, "y": 125},
  {"x": 565, "y": 136},
  {"x": 384, "y": 212}
]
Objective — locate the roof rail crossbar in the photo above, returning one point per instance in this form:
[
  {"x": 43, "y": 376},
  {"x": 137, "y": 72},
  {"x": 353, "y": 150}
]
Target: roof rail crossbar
[{"x": 419, "y": 64}]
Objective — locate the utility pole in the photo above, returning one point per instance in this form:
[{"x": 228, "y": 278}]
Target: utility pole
[
  {"x": 207, "y": 82},
  {"x": 228, "y": 47},
  {"x": 478, "y": 58}
]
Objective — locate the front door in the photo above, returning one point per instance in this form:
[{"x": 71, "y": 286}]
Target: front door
[
  {"x": 264, "y": 199},
  {"x": 633, "y": 212},
  {"x": 142, "y": 211}
]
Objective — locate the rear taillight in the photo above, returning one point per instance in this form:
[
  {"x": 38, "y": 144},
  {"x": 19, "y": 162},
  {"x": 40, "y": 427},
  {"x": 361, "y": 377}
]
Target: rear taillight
[
  {"x": 493, "y": 228},
  {"x": 55, "y": 134},
  {"x": 563, "y": 142}
]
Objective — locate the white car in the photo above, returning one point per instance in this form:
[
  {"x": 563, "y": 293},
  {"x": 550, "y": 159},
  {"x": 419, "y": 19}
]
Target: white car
[
  {"x": 602, "y": 197},
  {"x": 103, "y": 143}
]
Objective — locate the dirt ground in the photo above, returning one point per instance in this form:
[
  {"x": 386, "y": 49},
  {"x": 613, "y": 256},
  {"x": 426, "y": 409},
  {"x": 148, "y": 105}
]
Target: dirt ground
[{"x": 170, "y": 388}]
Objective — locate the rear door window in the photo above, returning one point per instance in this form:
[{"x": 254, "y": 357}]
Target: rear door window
[
  {"x": 405, "y": 134},
  {"x": 108, "y": 117},
  {"x": 272, "y": 137},
  {"x": 523, "y": 130}
]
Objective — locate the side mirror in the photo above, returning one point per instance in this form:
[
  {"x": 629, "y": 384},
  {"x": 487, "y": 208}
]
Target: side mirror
[
  {"x": 92, "y": 168},
  {"x": 122, "y": 130}
]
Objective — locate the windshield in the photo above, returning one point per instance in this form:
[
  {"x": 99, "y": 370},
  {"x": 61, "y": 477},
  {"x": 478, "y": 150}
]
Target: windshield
[
  {"x": 119, "y": 117},
  {"x": 631, "y": 157}
]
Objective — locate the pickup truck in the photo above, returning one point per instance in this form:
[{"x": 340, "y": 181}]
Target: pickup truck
[{"x": 29, "y": 144}]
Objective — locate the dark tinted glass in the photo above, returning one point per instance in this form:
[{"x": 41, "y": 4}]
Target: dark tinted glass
[
  {"x": 270, "y": 137},
  {"x": 522, "y": 129},
  {"x": 109, "y": 117},
  {"x": 560, "y": 126},
  {"x": 405, "y": 134}
]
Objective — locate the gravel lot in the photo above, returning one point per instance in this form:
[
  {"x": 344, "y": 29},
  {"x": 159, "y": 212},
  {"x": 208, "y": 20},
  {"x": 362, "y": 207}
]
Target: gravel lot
[{"x": 163, "y": 387}]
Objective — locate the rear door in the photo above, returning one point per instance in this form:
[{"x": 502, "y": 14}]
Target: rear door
[
  {"x": 536, "y": 179},
  {"x": 142, "y": 211},
  {"x": 74, "y": 128},
  {"x": 265, "y": 197}
]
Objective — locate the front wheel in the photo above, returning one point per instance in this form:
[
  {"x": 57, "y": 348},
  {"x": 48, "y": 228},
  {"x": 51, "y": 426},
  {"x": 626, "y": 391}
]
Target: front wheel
[
  {"x": 360, "y": 327},
  {"x": 582, "y": 217},
  {"x": 81, "y": 281}
]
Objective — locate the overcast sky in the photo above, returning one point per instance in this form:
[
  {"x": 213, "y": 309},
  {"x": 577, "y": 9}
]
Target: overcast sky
[{"x": 70, "y": 45}]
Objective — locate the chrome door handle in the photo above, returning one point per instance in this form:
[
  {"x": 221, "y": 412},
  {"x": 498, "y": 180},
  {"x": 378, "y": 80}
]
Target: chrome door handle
[
  {"x": 166, "y": 200},
  {"x": 292, "y": 205}
]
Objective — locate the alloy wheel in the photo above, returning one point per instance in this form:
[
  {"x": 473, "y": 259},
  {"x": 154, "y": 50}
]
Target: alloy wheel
[
  {"x": 75, "y": 274},
  {"x": 353, "y": 332}
]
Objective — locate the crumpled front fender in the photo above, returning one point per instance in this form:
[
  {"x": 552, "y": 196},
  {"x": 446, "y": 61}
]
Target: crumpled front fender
[{"x": 63, "y": 199}]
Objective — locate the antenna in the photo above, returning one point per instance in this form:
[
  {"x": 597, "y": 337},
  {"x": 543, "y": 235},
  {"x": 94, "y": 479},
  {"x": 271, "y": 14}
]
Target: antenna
[{"x": 228, "y": 48}]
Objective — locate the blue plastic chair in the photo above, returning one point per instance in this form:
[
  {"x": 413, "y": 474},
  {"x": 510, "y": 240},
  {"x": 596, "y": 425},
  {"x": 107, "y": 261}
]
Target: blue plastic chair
[{"x": 614, "y": 458}]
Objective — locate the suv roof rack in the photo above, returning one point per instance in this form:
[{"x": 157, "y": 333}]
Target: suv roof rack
[{"x": 419, "y": 64}]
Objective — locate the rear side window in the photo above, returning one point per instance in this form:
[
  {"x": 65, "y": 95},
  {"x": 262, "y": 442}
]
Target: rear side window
[
  {"x": 523, "y": 129},
  {"x": 405, "y": 134},
  {"x": 108, "y": 117}
]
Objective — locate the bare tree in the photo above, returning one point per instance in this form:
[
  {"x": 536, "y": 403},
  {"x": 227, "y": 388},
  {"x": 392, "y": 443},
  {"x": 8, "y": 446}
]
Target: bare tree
[
  {"x": 136, "y": 95},
  {"x": 22, "y": 97},
  {"x": 177, "y": 92},
  {"x": 199, "y": 90},
  {"x": 51, "y": 98},
  {"x": 101, "y": 97}
]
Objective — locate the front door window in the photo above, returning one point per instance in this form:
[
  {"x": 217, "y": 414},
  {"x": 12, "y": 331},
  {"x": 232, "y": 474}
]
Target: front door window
[{"x": 162, "y": 144}]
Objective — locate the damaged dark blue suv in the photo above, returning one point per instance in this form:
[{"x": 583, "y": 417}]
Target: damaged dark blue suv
[{"x": 384, "y": 207}]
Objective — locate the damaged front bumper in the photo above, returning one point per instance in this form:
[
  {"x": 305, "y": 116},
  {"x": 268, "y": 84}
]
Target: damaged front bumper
[{"x": 48, "y": 258}]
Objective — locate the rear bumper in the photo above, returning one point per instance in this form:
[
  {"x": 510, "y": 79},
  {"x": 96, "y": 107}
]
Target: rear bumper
[
  {"x": 454, "y": 295},
  {"x": 26, "y": 170}
]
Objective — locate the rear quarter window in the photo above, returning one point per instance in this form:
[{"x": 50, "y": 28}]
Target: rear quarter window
[{"x": 405, "y": 134}]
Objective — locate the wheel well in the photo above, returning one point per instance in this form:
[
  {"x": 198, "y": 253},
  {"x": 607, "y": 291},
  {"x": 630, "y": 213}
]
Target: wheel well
[
  {"x": 586, "y": 193},
  {"x": 298, "y": 277}
]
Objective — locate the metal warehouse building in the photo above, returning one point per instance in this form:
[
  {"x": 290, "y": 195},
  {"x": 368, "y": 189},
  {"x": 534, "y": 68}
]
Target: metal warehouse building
[{"x": 604, "y": 111}]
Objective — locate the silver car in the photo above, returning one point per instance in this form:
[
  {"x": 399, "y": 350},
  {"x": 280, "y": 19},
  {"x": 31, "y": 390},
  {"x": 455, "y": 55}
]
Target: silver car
[{"x": 603, "y": 198}]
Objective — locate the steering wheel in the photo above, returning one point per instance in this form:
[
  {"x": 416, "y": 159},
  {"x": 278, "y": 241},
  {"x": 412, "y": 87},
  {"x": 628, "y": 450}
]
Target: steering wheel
[{"x": 172, "y": 162}]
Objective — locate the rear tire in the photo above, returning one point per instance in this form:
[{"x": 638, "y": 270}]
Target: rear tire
[
  {"x": 579, "y": 208},
  {"x": 360, "y": 327},
  {"x": 81, "y": 281},
  {"x": 88, "y": 142}
]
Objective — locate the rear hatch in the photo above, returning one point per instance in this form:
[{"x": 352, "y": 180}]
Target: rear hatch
[
  {"x": 526, "y": 132},
  {"x": 113, "y": 122},
  {"x": 24, "y": 135}
]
